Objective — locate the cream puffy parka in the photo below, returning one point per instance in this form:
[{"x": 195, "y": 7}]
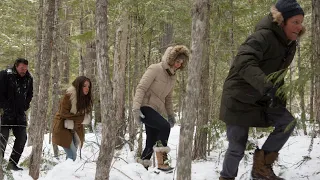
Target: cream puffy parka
[{"x": 156, "y": 85}]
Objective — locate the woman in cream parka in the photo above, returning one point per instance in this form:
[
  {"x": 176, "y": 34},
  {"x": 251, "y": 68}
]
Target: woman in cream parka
[{"x": 153, "y": 101}]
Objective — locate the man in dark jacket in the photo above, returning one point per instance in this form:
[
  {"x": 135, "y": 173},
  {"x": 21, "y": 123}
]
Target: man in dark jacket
[
  {"x": 251, "y": 95},
  {"x": 16, "y": 92}
]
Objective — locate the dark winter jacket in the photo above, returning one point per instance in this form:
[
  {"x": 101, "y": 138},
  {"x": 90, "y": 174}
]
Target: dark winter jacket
[
  {"x": 15, "y": 96},
  {"x": 264, "y": 52}
]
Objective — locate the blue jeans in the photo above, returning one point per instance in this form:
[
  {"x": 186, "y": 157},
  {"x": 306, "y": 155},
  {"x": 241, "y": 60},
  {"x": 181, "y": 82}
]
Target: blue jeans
[{"x": 72, "y": 151}]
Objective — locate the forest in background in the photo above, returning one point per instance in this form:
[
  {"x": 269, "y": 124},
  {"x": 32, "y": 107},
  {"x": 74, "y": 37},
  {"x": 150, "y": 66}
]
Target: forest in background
[{"x": 59, "y": 38}]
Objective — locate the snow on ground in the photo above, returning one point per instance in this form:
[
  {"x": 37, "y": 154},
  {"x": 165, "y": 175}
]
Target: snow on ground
[{"x": 292, "y": 163}]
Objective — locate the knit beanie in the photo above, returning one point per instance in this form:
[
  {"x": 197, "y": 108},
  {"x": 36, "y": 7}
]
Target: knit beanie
[{"x": 289, "y": 8}]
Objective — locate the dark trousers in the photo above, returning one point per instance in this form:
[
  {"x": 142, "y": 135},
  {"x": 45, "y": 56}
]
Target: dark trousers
[
  {"x": 20, "y": 133},
  {"x": 157, "y": 129},
  {"x": 238, "y": 136}
]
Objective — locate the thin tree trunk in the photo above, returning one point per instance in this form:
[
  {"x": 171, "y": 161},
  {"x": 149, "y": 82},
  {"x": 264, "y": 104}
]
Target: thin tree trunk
[
  {"x": 167, "y": 37},
  {"x": 36, "y": 77},
  {"x": 106, "y": 99},
  {"x": 90, "y": 59},
  {"x": 132, "y": 128},
  {"x": 316, "y": 54},
  {"x": 55, "y": 75},
  {"x": 198, "y": 44},
  {"x": 65, "y": 59},
  {"x": 81, "y": 59},
  {"x": 136, "y": 74},
  {"x": 200, "y": 142},
  {"x": 120, "y": 58},
  {"x": 35, "y": 159},
  {"x": 301, "y": 93}
]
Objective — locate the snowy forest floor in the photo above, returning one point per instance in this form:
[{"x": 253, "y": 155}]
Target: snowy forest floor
[{"x": 295, "y": 162}]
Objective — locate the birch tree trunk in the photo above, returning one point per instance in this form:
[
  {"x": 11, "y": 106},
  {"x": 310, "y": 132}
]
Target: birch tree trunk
[
  {"x": 200, "y": 142},
  {"x": 198, "y": 44},
  {"x": 106, "y": 98},
  {"x": 119, "y": 72},
  {"x": 35, "y": 159},
  {"x": 36, "y": 77}
]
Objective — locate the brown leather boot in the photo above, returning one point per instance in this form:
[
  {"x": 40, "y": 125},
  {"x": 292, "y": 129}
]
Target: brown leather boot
[
  {"x": 222, "y": 178},
  {"x": 262, "y": 166},
  {"x": 162, "y": 158}
]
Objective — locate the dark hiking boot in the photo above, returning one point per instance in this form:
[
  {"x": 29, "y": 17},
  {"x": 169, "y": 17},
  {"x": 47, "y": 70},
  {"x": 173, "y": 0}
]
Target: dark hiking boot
[
  {"x": 13, "y": 166},
  {"x": 262, "y": 166}
]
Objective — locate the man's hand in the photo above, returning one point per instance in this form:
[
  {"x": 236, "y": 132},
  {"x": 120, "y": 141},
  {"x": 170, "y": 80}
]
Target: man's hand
[
  {"x": 171, "y": 120},
  {"x": 271, "y": 93},
  {"x": 137, "y": 115}
]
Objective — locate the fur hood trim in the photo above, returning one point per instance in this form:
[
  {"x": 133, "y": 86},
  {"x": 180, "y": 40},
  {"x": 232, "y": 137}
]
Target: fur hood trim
[
  {"x": 144, "y": 162},
  {"x": 73, "y": 98},
  {"x": 278, "y": 18},
  {"x": 165, "y": 149},
  {"x": 172, "y": 52}
]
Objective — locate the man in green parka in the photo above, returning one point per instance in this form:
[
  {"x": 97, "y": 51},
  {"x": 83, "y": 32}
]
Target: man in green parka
[{"x": 250, "y": 96}]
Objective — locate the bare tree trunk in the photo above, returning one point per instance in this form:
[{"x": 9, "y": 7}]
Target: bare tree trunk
[
  {"x": 132, "y": 127},
  {"x": 34, "y": 105},
  {"x": 90, "y": 64},
  {"x": 65, "y": 34},
  {"x": 35, "y": 159},
  {"x": 316, "y": 53},
  {"x": 120, "y": 58},
  {"x": 200, "y": 142},
  {"x": 81, "y": 59},
  {"x": 167, "y": 37},
  {"x": 55, "y": 75},
  {"x": 198, "y": 44},
  {"x": 136, "y": 74},
  {"x": 301, "y": 93},
  {"x": 106, "y": 98}
]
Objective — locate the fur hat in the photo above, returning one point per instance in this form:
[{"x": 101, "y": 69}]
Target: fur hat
[{"x": 289, "y": 8}]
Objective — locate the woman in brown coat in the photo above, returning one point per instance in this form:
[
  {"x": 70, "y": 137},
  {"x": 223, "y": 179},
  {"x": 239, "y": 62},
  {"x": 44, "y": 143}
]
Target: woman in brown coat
[
  {"x": 73, "y": 113},
  {"x": 153, "y": 100}
]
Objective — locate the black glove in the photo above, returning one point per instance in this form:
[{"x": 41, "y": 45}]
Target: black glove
[
  {"x": 270, "y": 94},
  {"x": 171, "y": 120}
]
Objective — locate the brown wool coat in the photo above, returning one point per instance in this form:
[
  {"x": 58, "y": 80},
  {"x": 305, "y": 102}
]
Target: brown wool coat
[
  {"x": 67, "y": 110},
  {"x": 156, "y": 85}
]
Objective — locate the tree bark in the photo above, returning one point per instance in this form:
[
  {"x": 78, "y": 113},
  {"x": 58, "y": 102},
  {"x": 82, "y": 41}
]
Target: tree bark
[
  {"x": 36, "y": 77},
  {"x": 65, "y": 36},
  {"x": 316, "y": 54},
  {"x": 198, "y": 44},
  {"x": 120, "y": 58},
  {"x": 55, "y": 75},
  {"x": 301, "y": 93},
  {"x": 35, "y": 159},
  {"x": 106, "y": 98},
  {"x": 200, "y": 142}
]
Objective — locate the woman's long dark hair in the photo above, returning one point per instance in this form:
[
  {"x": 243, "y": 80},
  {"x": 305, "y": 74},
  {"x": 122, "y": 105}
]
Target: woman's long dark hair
[{"x": 84, "y": 102}]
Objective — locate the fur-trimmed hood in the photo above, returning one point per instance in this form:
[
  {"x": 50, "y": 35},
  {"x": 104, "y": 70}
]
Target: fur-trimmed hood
[{"x": 171, "y": 54}]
